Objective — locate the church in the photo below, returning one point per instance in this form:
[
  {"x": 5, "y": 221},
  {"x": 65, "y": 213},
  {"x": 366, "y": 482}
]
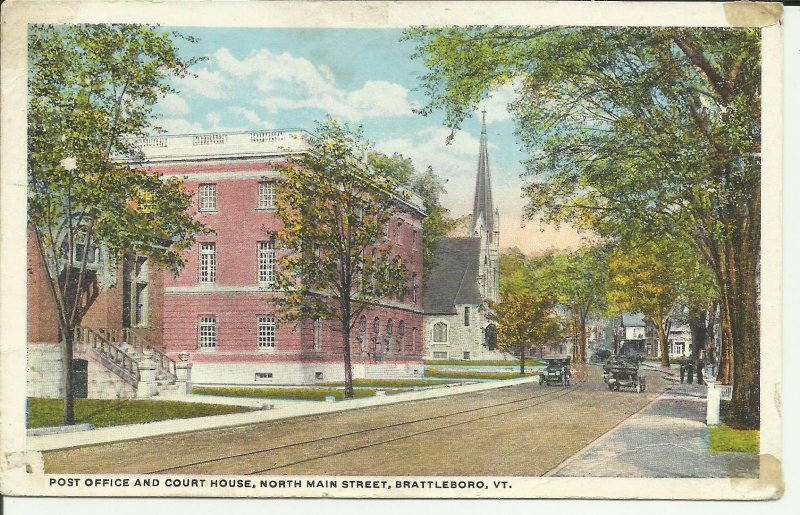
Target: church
[{"x": 465, "y": 279}]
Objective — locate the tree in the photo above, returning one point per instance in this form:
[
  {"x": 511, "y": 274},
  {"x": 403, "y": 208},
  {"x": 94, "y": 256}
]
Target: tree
[
  {"x": 335, "y": 201},
  {"x": 437, "y": 222},
  {"x": 429, "y": 186},
  {"x": 525, "y": 321},
  {"x": 91, "y": 90},
  {"x": 642, "y": 279},
  {"x": 655, "y": 128},
  {"x": 578, "y": 281}
]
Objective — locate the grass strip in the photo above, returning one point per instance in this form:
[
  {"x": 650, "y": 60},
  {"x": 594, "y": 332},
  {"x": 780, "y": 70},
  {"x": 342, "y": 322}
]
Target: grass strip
[
  {"x": 468, "y": 374},
  {"x": 108, "y": 412},
  {"x": 387, "y": 383},
  {"x": 480, "y": 363},
  {"x": 727, "y": 439},
  {"x": 301, "y": 394}
]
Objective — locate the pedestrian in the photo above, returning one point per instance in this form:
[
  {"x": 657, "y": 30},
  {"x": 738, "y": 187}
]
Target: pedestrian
[
  {"x": 690, "y": 372},
  {"x": 683, "y": 369}
]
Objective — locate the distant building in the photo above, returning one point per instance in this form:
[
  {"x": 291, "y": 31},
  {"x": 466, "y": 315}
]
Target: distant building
[{"x": 464, "y": 278}]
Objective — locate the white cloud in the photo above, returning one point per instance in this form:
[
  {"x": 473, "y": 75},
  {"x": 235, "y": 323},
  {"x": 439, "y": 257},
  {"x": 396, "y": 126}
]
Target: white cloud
[
  {"x": 179, "y": 126},
  {"x": 497, "y": 104},
  {"x": 173, "y": 105},
  {"x": 206, "y": 83},
  {"x": 252, "y": 117},
  {"x": 296, "y": 83}
]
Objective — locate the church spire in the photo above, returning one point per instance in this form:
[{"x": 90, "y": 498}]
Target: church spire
[{"x": 483, "y": 207}]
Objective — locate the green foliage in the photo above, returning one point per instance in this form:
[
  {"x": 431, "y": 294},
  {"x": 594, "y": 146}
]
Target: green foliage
[
  {"x": 462, "y": 374},
  {"x": 630, "y": 131},
  {"x": 104, "y": 413},
  {"x": 91, "y": 91},
  {"x": 437, "y": 222},
  {"x": 335, "y": 203},
  {"x": 727, "y": 439},
  {"x": 525, "y": 321},
  {"x": 300, "y": 394}
]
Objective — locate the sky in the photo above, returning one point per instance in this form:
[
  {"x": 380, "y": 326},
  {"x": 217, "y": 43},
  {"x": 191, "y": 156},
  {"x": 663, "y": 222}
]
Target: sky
[{"x": 289, "y": 78}]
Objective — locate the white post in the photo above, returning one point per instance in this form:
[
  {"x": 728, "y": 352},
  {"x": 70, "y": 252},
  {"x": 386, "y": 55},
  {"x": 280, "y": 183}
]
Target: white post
[
  {"x": 713, "y": 396},
  {"x": 183, "y": 373},
  {"x": 147, "y": 376}
]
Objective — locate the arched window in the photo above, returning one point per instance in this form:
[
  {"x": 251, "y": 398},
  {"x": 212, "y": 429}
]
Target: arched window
[
  {"x": 401, "y": 337},
  {"x": 376, "y": 333},
  {"x": 439, "y": 332},
  {"x": 389, "y": 334},
  {"x": 414, "y": 288},
  {"x": 362, "y": 333}
]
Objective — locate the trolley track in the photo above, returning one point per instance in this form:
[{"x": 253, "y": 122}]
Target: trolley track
[{"x": 545, "y": 397}]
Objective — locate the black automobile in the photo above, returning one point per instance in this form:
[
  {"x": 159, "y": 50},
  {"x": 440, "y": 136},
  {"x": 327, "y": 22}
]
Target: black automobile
[{"x": 556, "y": 371}]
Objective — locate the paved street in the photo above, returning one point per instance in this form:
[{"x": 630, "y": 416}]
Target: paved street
[{"x": 523, "y": 430}]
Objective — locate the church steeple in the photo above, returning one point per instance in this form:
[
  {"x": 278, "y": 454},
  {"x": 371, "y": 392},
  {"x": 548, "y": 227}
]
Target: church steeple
[{"x": 483, "y": 209}]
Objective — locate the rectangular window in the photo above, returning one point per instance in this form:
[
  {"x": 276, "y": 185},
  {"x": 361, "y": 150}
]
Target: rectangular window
[
  {"x": 266, "y": 332},
  {"x": 440, "y": 355},
  {"x": 466, "y": 355},
  {"x": 263, "y": 376},
  {"x": 413, "y": 240},
  {"x": 266, "y": 195},
  {"x": 466, "y": 316},
  {"x": 208, "y": 262},
  {"x": 317, "y": 334},
  {"x": 266, "y": 262},
  {"x": 208, "y": 197},
  {"x": 207, "y": 332}
]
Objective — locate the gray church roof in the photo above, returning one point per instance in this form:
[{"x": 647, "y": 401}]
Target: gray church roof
[{"x": 454, "y": 276}]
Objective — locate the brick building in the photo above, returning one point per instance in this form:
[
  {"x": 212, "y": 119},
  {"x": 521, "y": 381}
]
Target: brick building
[{"x": 217, "y": 311}]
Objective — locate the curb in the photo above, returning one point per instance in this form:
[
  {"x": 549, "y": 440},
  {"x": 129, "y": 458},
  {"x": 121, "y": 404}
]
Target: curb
[{"x": 52, "y": 442}]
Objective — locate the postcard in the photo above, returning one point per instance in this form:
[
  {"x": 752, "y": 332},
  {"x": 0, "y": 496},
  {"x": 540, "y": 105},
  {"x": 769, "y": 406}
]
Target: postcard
[{"x": 391, "y": 250}]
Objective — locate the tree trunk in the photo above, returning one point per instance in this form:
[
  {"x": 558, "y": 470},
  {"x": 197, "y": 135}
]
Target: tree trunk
[
  {"x": 662, "y": 344},
  {"x": 66, "y": 354},
  {"x": 522, "y": 360},
  {"x": 348, "y": 364},
  {"x": 725, "y": 359},
  {"x": 697, "y": 325},
  {"x": 582, "y": 346}
]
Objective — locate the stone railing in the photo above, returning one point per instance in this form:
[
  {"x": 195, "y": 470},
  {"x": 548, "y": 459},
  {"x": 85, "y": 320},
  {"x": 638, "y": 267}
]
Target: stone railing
[
  {"x": 113, "y": 357},
  {"x": 164, "y": 363},
  {"x": 223, "y": 144}
]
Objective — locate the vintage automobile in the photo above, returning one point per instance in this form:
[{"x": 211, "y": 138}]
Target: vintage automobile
[
  {"x": 556, "y": 371},
  {"x": 623, "y": 372}
]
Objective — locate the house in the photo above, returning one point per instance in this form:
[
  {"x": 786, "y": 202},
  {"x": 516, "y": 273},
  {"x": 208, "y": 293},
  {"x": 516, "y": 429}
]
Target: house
[{"x": 465, "y": 278}]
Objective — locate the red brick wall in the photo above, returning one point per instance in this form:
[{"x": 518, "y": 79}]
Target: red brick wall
[
  {"x": 239, "y": 226},
  {"x": 42, "y": 318}
]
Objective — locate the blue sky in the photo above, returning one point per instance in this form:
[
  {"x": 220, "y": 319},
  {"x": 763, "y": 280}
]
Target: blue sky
[{"x": 288, "y": 78}]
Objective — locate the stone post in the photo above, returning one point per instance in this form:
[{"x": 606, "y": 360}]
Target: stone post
[
  {"x": 183, "y": 372},
  {"x": 713, "y": 396},
  {"x": 147, "y": 376}
]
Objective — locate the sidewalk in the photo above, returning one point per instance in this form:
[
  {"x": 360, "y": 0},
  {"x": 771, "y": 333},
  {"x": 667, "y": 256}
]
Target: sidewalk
[
  {"x": 668, "y": 438},
  {"x": 272, "y": 409}
]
